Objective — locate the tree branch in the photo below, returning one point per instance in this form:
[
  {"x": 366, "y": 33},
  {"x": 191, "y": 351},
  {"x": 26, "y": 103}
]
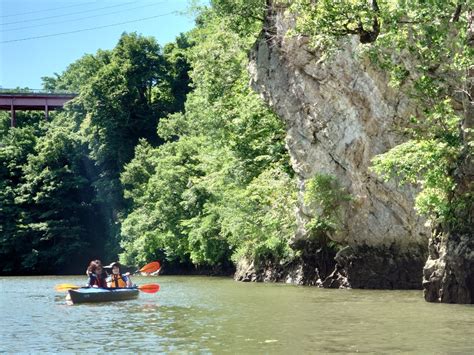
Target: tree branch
[{"x": 457, "y": 13}]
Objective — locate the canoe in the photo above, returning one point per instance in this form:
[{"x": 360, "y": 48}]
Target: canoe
[{"x": 86, "y": 295}]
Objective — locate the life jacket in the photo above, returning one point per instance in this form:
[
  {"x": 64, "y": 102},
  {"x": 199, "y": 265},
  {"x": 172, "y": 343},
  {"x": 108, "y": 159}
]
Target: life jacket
[
  {"x": 116, "y": 281},
  {"x": 97, "y": 280}
]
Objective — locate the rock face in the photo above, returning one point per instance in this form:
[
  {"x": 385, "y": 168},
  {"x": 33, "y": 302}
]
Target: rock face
[
  {"x": 340, "y": 113},
  {"x": 449, "y": 271}
]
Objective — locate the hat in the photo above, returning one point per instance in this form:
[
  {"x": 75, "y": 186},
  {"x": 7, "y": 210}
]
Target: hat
[{"x": 115, "y": 263}]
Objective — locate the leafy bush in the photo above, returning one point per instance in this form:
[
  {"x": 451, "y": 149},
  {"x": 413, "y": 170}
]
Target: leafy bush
[{"x": 326, "y": 198}]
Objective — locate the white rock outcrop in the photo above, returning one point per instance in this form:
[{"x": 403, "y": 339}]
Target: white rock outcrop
[{"x": 340, "y": 113}]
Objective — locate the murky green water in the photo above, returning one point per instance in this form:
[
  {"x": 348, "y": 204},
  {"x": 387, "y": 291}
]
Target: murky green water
[{"x": 216, "y": 315}]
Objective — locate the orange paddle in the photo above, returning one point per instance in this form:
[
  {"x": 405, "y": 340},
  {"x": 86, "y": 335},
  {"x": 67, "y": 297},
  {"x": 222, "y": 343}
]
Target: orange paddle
[
  {"x": 151, "y": 267},
  {"x": 149, "y": 288}
]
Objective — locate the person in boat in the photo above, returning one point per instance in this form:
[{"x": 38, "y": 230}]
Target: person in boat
[
  {"x": 116, "y": 279},
  {"x": 97, "y": 275},
  {"x": 98, "y": 262}
]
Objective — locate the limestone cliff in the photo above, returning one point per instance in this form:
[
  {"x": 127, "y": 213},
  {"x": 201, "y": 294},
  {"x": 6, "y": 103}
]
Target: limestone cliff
[{"x": 340, "y": 112}]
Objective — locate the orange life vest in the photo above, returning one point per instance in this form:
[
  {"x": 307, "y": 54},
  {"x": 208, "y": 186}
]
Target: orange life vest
[{"x": 116, "y": 281}]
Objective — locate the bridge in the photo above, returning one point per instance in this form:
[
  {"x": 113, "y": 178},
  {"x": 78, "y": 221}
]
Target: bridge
[{"x": 33, "y": 100}]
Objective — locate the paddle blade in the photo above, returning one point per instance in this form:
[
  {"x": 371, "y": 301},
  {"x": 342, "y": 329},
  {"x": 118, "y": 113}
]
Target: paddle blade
[
  {"x": 65, "y": 287},
  {"x": 149, "y": 288},
  {"x": 151, "y": 267}
]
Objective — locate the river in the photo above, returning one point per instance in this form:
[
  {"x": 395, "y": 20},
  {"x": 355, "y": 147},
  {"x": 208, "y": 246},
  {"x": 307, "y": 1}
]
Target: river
[{"x": 219, "y": 315}]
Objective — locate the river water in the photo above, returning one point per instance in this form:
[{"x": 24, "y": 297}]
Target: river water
[{"x": 219, "y": 315}]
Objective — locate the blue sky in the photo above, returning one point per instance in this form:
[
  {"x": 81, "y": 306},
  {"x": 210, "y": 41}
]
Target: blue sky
[{"x": 24, "y": 62}]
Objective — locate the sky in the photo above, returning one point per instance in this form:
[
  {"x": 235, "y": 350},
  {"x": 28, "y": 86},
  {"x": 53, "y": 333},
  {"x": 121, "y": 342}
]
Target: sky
[{"x": 33, "y": 42}]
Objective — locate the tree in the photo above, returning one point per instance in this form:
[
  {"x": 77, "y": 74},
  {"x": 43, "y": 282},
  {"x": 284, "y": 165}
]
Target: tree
[
  {"x": 61, "y": 196},
  {"x": 77, "y": 73},
  {"x": 46, "y": 204},
  {"x": 221, "y": 187},
  {"x": 123, "y": 92},
  {"x": 15, "y": 146}
]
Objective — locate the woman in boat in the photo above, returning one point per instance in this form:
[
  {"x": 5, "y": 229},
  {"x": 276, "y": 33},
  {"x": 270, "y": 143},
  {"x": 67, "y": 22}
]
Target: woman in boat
[
  {"x": 116, "y": 279},
  {"x": 97, "y": 275}
]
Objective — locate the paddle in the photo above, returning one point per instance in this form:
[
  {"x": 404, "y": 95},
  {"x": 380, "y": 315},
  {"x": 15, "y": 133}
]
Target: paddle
[
  {"x": 65, "y": 287},
  {"x": 148, "y": 268},
  {"x": 151, "y": 267},
  {"x": 147, "y": 288}
]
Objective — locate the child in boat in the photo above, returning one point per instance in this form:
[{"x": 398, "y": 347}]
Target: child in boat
[
  {"x": 97, "y": 275},
  {"x": 116, "y": 279}
]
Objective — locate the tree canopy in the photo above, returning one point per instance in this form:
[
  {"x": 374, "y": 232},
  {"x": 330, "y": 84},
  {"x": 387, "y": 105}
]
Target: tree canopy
[
  {"x": 61, "y": 196},
  {"x": 167, "y": 153},
  {"x": 220, "y": 187}
]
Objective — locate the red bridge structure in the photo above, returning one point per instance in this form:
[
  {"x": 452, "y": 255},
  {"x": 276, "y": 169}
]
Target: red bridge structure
[{"x": 32, "y": 100}]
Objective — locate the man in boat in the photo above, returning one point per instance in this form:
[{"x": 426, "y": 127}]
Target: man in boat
[
  {"x": 97, "y": 275},
  {"x": 116, "y": 279}
]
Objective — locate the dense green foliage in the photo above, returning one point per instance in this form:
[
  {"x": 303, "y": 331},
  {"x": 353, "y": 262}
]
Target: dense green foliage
[
  {"x": 139, "y": 163},
  {"x": 45, "y": 200},
  {"x": 423, "y": 46},
  {"x": 167, "y": 153},
  {"x": 326, "y": 197},
  {"x": 61, "y": 196},
  {"x": 220, "y": 188}
]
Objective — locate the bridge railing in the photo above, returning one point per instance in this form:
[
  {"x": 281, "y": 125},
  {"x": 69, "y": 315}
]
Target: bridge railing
[{"x": 34, "y": 91}]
